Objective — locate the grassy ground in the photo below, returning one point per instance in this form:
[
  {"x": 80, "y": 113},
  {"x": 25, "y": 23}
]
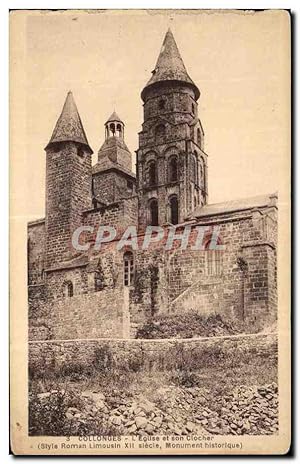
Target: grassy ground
[{"x": 118, "y": 387}]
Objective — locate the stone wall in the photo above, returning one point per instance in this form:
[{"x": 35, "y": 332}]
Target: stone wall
[
  {"x": 57, "y": 280},
  {"x": 96, "y": 315},
  {"x": 112, "y": 185},
  {"x": 164, "y": 354},
  {"x": 68, "y": 193},
  {"x": 178, "y": 280},
  {"x": 119, "y": 215},
  {"x": 36, "y": 251}
]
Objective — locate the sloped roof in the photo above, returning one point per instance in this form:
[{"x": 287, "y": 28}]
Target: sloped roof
[
  {"x": 231, "y": 206},
  {"x": 106, "y": 165},
  {"x": 69, "y": 127},
  {"x": 81, "y": 260},
  {"x": 170, "y": 66},
  {"x": 114, "y": 150},
  {"x": 114, "y": 117}
]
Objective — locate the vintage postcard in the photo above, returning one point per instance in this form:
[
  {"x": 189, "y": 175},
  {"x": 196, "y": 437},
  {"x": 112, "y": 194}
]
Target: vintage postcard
[{"x": 150, "y": 241}]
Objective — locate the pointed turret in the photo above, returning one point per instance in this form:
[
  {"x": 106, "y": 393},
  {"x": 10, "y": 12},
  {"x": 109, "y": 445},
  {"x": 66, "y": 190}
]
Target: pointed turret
[
  {"x": 170, "y": 66},
  {"x": 69, "y": 127}
]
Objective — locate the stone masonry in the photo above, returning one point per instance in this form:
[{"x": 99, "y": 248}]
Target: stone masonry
[{"x": 111, "y": 292}]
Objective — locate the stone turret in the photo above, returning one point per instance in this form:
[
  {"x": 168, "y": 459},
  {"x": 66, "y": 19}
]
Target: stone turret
[{"x": 68, "y": 183}]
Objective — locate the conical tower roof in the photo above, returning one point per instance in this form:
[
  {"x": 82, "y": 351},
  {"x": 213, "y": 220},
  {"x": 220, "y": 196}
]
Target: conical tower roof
[
  {"x": 114, "y": 117},
  {"x": 69, "y": 127},
  {"x": 170, "y": 66}
]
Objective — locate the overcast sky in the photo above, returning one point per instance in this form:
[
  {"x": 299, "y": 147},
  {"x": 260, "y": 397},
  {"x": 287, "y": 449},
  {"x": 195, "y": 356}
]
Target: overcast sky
[{"x": 238, "y": 61}]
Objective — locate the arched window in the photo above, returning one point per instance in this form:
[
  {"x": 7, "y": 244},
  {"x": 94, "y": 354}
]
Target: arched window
[
  {"x": 198, "y": 137},
  {"x": 173, "y": 170},
  {"x": 69, "y": 289},
  {"x": 119, "y": 130},
  {"x": 213, "y": 260},
  {"x": 160, "y": 130},
  {"x": 128, "y": 268},
  {"x": 112, "y": 128},
  {"x": 153, "y": 212},
  {"x": 174, "y": 209},
  {"x": 152, "y": 173}
]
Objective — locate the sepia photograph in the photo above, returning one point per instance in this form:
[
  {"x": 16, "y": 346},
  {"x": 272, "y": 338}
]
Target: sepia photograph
[{"x": 150, "y": 201}]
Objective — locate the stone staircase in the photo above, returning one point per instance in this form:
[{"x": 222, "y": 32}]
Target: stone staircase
[{"x": 201, "y": 294}]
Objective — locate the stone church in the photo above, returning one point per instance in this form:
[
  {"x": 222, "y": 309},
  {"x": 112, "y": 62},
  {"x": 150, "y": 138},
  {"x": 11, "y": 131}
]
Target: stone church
[{"x": 110, "y": 293}]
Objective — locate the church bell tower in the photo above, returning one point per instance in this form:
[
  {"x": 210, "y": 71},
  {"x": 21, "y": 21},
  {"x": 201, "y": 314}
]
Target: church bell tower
[{"x": 171, "y": 162}]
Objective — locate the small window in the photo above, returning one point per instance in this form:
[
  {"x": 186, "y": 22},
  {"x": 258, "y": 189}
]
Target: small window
[
  {"x": 80, "y": 151},
  {"x": 153, "y": 211},
  {"x": 119, "y": 130},
  {"x": 152, "y": 173},
  {"x": 199, "y": 137},
  {"x": 213, "y": 261},
  {"x": 128, "y": 269},
  {"x": 173, "y": 171},
  {"x": 129, "y": 185},
  {"x": 69, "y": 290},
  {"x": 99, "y": 284},
  {"x": 112, "y": 128},
  {"x": 174, "y": 209},
  {"x": 160, "y": 130}
]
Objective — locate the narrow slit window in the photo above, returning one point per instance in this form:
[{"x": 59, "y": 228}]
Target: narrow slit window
[
  {"x": 69, "y": 290},
  {"x": 173, "y": 170},
  {"x": 152, "y": 173},
  {"x": 153, "y": 212},
  {"x": 174, "y": 210},
  {"x": 128, "y": 269}
]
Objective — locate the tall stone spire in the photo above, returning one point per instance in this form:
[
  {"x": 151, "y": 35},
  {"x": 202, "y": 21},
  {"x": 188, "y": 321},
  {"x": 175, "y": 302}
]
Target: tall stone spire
[
  {"x": 170, "y": 66},
  {"x": 69, "y": 127}
]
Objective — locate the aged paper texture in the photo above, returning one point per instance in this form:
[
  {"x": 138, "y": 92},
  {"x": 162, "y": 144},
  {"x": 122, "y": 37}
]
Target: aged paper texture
[{"x": 150, "y": 239}]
